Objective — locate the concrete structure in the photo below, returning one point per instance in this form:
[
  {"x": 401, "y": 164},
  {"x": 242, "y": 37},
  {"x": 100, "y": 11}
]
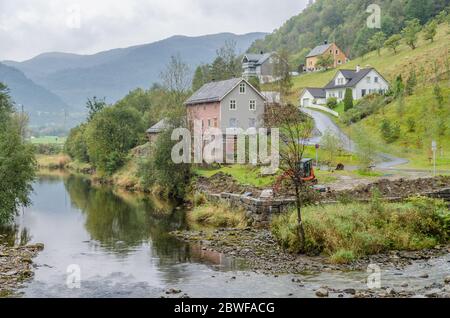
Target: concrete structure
[
  {"x": 233, "y": 103},
  {"x": 339, "y": 57}
]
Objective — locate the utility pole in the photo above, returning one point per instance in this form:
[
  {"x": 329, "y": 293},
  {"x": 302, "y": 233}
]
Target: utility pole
[{"x": 317, "y": 155}]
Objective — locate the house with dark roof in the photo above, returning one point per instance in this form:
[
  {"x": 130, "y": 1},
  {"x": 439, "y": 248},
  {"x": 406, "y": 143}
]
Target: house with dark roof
[
  {"x": 362, "y": 82},
  {"x": 326, "y": 49},
  {"x": 313, "y": 96},
  {"x": 259, "y": 65},
  {"x": 154, "y": 131},
  {"x": 233, "y": 103}
]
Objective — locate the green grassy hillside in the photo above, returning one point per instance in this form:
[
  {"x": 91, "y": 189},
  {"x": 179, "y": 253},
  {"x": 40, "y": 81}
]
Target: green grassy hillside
[{"x": 420, "y": 108}]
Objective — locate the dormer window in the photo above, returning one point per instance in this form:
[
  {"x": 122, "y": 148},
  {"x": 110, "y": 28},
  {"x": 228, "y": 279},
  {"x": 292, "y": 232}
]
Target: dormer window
[{"x": 242, "y": 88}]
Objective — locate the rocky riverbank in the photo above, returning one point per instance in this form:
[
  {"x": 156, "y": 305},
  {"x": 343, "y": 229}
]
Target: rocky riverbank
[
  {"x": 261, "y": 253},
  {"x": 16, "y": 267}
]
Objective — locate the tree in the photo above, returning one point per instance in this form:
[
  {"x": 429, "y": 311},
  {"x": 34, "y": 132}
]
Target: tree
[
  {"x": 366, "y": 148},
  {"x": 348, "y": 99},
  {"x": 283, "y": 74},
  {"x": 393, "y": 42},
  {"x": 176, "y": 79},
  {"x": 201, "y": 77},
  {"x": 437, "y": 92},
  {"x": 110, "y": 135},
  {"x": 398, "y": 87},
  {"x": 295, "y": 130},
  {"x": 410, "y": 32},
  {"x": 75, "y": 145},
  {"x": 332, "y": 145},
  {"x": 420, "y": 9},
  {"x": 411, "y": 82},
  {"x": 430, "y": 31},
  {"x": 17, "y": 162},
  {"x": 94, "y": 106},
  {"x": 377, "y": 41},
  {"x": 325, "y": 61}
]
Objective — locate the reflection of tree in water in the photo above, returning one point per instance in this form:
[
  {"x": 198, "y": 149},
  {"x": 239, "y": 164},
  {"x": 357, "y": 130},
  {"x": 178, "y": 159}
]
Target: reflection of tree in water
[
  {"x": 14, "y": 235},
  {"x": 123, "y": 225}
]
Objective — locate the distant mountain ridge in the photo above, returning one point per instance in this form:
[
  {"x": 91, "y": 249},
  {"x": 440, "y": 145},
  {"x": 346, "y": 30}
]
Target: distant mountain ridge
[
  {"x": 112, "y": 74},
  {"x": 33, "y": 97}
]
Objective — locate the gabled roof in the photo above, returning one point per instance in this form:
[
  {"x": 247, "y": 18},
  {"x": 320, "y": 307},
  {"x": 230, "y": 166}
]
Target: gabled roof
[
  {"x": 258, "y": 59},
  {"x": 216, "y": 91},
  {"x": 318, "y": 50},
  {"x": 159, "y": 127},
  {"x": 353, "y": 77},
  {"x": 316, "y": 92}
]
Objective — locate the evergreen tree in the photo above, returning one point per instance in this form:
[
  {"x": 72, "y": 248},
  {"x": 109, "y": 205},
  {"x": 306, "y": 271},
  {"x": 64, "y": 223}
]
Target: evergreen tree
[{"x": 348, "y": 99}]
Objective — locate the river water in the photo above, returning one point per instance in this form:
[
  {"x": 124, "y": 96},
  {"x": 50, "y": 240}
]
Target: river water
[{"x": 118, "y": 245}]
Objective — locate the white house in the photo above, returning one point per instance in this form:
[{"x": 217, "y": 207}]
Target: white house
[
  {"x": 362, "y": 82},
  {"x": 313, "y": 96}
]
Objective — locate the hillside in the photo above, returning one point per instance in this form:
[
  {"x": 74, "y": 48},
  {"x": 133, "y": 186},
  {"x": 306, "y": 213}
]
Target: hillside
[
  {"x": 343, "y": 22},
  {"x": 419, "y": 108},
  {"x": 112, "y": 74},
  {"x": 36, "y": 100}
]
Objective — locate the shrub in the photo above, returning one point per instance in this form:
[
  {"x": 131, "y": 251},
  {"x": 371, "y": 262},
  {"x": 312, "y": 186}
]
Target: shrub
[
  {"x": 390, "y": 132},
  {"x": 332, "y": 102},
  {"x": 347, "y": 232},
  {"x": 348, "y": 99},
  {"x": 365, "y": 107}
]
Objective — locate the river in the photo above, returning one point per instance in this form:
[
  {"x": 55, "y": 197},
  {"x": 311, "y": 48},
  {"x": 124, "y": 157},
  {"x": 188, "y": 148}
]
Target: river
[{"x": 120, "y": 244}]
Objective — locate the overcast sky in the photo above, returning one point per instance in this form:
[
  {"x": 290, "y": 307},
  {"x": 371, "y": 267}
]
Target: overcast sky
[{"x": 31, "y": 27}]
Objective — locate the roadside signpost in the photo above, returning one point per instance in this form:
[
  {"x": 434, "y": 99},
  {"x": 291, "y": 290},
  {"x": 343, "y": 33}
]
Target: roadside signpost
[{"x": 434, "y": 148}]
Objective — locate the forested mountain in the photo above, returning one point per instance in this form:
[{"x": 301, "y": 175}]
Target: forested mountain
[
  {"x": 344, "y": 22},
  {"x": 112, "y": 74},
  {"x": 36, "y": 100}
]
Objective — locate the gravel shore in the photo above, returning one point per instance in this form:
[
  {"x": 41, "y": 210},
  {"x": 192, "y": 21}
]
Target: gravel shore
[{"x": 16, "y": 267}]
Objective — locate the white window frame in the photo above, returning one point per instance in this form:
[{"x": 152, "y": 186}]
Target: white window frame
[
  {"x": 242, "y": 88},
  {"x": 252, "y": 105},
  {"x": 233, "y": 105},
  {"x": 368, "y": 79},
  {"x": 376, "y": 79}
]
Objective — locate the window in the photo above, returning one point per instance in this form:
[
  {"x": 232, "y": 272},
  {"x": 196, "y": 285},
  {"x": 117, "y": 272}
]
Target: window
[
  {"x": 341, "y": 95},
  {"x": 253, "y": 105},
  {"x": 337, "y": 52},
  {"x": 368, "y": 79},
  {"x": 209, "y": 123},
  {"x": 216, "y": 123},
  {"x": 376, "y": 79},
  {"x": 363, "y": 92},
  {"x": 242, "y": 88},
  {"x": 252, "y": 123},
  {"x": 233, "y": 123},
  {"x": 339, "y": 62},
  {"x": 232, "y": 105}
]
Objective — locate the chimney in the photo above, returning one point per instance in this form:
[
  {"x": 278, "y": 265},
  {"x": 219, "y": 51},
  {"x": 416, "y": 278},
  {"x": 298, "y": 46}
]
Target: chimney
[
  {"x": 262, "y": 52},
  {"x": 325, "y": 42},
  {"x": 358, "y": 68}
]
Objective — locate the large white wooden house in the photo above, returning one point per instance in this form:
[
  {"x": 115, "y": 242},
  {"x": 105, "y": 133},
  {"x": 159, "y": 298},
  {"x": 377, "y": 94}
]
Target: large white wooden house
[{"x": 362, "y": 82}]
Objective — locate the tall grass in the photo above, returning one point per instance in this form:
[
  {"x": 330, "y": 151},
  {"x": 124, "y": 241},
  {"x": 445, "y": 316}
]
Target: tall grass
[
  {"x": 217, "y": 215},
  {"x": 345, "y": 232}
]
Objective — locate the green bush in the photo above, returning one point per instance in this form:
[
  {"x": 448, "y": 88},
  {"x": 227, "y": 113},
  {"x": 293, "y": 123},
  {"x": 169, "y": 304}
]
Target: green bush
[
  {"x": 390, "y": 132},
  {"x": 332, "y": 102},
  {"x": 365, "y": 107},
  {"x": 346, "y": 232}
]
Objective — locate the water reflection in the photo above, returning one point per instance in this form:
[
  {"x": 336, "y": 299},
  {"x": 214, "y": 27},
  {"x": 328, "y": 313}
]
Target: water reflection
[{"x": 110, "y": 234}]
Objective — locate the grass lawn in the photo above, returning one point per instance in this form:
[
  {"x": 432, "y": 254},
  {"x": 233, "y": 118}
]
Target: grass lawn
[{"x": 48, "y": 140}]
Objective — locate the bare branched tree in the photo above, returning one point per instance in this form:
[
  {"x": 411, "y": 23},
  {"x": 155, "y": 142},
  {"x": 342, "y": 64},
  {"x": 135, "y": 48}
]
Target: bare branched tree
[
  {"x": 176, "y": 78},
  {"x": 295, "y": 130}
]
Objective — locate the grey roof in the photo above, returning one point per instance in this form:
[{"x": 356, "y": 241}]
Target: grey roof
[
  {"x": 258, "y": 59},
  {"x": 319, "y": 50},
  {"x": 352, "y": 77},
  {"x": 159, "y": 127},
  {"x": 213, "y": 92},
  {"x": 272, "y": 97},
  {"x": 317, "y": 92}
]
